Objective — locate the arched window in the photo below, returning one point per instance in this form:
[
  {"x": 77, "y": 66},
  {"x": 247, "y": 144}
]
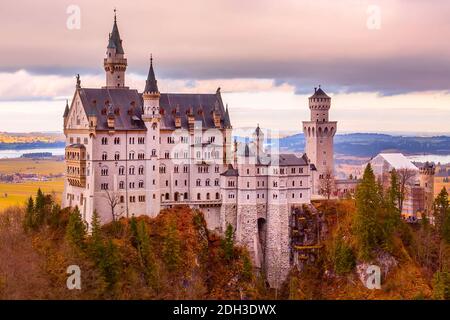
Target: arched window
[
  {"x": 121, "y": 170},
  {"x": 131, "y": 155},
  {"x": 131, "y": 170},
  {"x": 117, "y": 156},
  {"x": 207, "y": 196},
  {"x": 104, "y": 156},
  {"x": 217, "y": 196},
  {"x": 141, "y": 170},
  {"x": 199, "y": 197}
]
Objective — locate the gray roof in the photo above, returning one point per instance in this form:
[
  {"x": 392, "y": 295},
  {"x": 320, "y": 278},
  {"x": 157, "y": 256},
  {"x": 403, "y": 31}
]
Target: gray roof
[
  {"x": 290, "y": 159},
  {"x": 151, "y": 85},
  {"x": 230, "y": 172},
  {"x": 127, "y": 103},
  {"x": 319, "y": 93},
  {"x": 201, "y": 105},
  {"x": 114, "y": 40}
]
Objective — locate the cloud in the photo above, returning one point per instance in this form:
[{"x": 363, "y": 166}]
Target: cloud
[{"x": 300, "y": 43}]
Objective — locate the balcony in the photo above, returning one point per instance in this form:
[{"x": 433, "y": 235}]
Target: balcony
[{"x": 75, "y": 156}]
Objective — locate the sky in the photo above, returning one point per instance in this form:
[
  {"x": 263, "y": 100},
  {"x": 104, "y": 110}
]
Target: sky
[{"x": 385, "y": 63}]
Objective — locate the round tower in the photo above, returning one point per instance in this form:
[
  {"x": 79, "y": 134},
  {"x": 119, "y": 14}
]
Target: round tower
[
  {"x": 115, "y": 63},
  {"x": 319, "y": 138},
  {"x": 426, "y": 178}
]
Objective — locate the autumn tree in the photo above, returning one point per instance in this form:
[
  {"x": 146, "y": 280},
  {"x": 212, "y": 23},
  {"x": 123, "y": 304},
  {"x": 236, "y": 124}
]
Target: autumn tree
[
  {"x": 113, "y": 200},
  {"x": 327, "y": 184},
  {"x": 405, "y": 176}
]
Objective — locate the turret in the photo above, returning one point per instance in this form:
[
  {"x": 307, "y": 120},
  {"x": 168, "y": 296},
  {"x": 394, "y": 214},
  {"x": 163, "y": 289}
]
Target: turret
[
  {"x": 115, "y": 63},
  {"x": 151, "y": 95},
  {"x": 258, "y": 138},
  {"x": 426, "y": 178},
  {"x": 319, "y": 104},
  {"x": 66, "y": 113}
]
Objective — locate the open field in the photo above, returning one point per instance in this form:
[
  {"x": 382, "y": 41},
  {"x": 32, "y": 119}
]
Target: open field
[
  {"x": 18, "y": 193},
  {"x": 45, "y": 167}
]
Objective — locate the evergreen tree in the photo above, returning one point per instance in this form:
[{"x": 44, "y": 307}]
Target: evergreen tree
[
  {"x": 392, "y": 216},
  {"x": 172, "y": 246},
  {"x": 368, "y": 204},
  {"x": 109, "y": 263},
  {"x": 97, "y": 245},
  {"x": 29, "y": 215},
  {"x": 228, "y": 243},
  {"x": 442, "y": 213},
  {"x": 133, "y": 232},
  {"x": 55, "y": 216},
  {"x": 39, "y": 208},
  {"x": 344, "y": 259},
  {"x": 247, "y": 268},
  {"x": 76, "y": 229}
]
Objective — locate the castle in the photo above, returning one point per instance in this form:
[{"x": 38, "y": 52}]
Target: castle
[{"x": 135, "y": 153}]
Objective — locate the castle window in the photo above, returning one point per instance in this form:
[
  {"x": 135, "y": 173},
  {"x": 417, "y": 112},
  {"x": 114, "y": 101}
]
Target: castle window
[
  {"x": 167, "y": 196},
  {"x": 141, "y": 140},
  {"x": 176, "y": 183},
  {"x": 167, "y": 155},
  {"x": 185, "y": 196},
  {"x": 248, "y": 197},
  {"x": 122, "y": 199},
  {"x": 275, "y": 184},
  {"x": 121, "y": 171},
  {"x": 170, "y": 140},
  {"x": 141, "y": 198},
  {"x": 116, "y": 140},
  {"x": 292, "y": 170},
  {"x": 186, "y": 169},
  {"x": 162, "y": 169},
  {"x": 217, "y": 169},
  {"x": 153, "y": 152},
  {"x": 132, "y": 199},
  {"x": 207, "y": 196},
  {"x": 167, "y": 183},
  {"x": 300, "y": 170},
  {"x": 293, "y": 196},
  {"x": 301, "y": 195},
  {"x": 117, "y": 156},
  {"x": 104, "y": 186},
  {"x": 131, "y": 185},
  {"x": 104, "y": 172},
  {"x": 301, "y": 183},
  {"x": 121, "y": 185},
  {"x": 104, "y": 156},
  {"x": 141, "y": 184},
  {"x": 199, "y": 197},
  {"x": 131, "y": 170},
  {"x": 141, "y": 170},
  {"x": 185, "y": 182},
  {"x": 248, "y": 184},
  {"x": 248, "y": 171},
  {"x": 154, "y": 181},
  {"x": 293, "y": 183},
  {"x": 207, "y": 182},
  {"x": 131, "y": 140},
  {"x": 104, "y": 140},
  {"x": 216, "y": 182},
  {"x": 217, "y": 196},
  {"x": 198, "y": 182},
  {"x": 131, "y": 155}
]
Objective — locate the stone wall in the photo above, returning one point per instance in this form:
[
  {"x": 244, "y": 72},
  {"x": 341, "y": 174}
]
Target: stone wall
[{"x": 277, "y": 262}]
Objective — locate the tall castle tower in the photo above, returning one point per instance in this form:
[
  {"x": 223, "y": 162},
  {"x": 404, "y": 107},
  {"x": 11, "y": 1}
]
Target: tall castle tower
[
  {"x": 152, "y": 118},
  {"x": 319, "y": 133},
  {"x": 115, "y": 63},
  {"x": 426, "y": 178}
]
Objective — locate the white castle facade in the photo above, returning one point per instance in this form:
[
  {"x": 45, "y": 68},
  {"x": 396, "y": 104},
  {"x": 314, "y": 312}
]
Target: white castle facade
[{"x": 132, "y": 153}]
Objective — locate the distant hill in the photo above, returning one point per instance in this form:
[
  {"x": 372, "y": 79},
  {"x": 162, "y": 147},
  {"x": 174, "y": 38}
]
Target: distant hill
[{"x": 370, "y": 144}]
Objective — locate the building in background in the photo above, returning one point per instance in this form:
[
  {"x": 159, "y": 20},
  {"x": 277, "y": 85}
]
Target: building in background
[{"x": 418, "y": 182}]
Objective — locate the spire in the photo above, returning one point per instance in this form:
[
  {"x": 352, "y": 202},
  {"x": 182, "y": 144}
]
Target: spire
[
  {"x": 66, "y": 110},
  {"x": 151, "y": 85},
  {"x": 226, "y": 119},
  {"x": 114, "y": 37}
]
